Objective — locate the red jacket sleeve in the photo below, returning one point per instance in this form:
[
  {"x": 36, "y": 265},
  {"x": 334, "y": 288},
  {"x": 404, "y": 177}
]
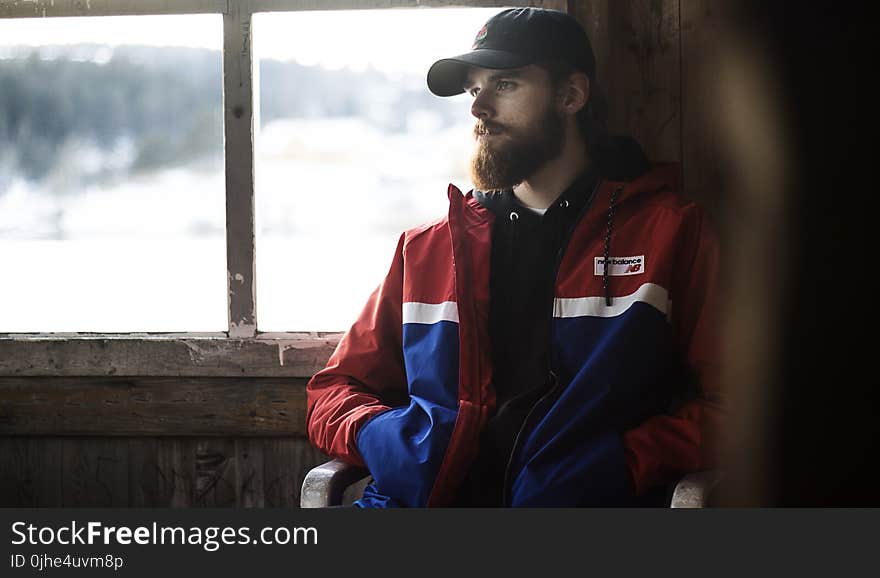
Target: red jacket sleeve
[
  {"x": 664, "y": 447},
  {"x": 365, "y": 375}
]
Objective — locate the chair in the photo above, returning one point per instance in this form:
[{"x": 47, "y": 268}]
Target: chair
[{"x": 336, "y": 483}]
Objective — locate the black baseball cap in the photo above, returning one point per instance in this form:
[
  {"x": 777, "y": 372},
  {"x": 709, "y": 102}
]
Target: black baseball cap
[{"x": 514, "y": 38}]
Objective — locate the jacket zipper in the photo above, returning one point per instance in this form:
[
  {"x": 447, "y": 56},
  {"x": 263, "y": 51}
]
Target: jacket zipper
[
  {"x": 505, "y": 498},
  {"x": 506, "y": 487}
]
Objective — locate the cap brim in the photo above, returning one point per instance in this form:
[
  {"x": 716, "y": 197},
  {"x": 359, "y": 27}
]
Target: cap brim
[{"x": 446, "y": 77}]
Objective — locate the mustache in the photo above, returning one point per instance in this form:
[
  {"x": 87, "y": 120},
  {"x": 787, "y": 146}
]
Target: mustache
[{"x": 487, "y": 127}]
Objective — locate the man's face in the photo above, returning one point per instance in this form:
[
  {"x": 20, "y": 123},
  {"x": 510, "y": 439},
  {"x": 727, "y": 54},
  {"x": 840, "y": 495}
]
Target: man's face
[{"x": 518, "y": 125}]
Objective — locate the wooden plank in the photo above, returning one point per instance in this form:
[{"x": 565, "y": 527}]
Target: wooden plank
[
  {"x": 297, "y": 355},
  {"x": 145, "y": 487},
  {"x": 11, "y": 470},
  {"x": 152, "y": 406},
  {"x": 643, "y": 76},
  {"x": 241, "y": 115},
  {"x": 215, "y": 483},
  {"x": 301, "y": 5},
  {"x": 154, "y": 472},
  {"x": 278, "y": 489},
  {"x": 44, "y": 8},
  {"x": 249, "y": 472},
  {"x": 286, "y": 462},
  {"x": 95, "y": 472},
  {"x": 30, "y": 472},
  {"x": 175, "y": 461},
  {"x": 704, "y": 162},
  {"x": 49, "y": 8},
  {"x": 593, "y": 16}
]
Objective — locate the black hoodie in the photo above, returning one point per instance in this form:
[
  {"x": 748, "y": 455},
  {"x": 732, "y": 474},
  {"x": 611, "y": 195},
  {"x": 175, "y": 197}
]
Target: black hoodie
[{"x": 526, "y": 251}]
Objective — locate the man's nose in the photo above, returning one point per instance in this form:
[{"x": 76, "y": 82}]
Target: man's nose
[{"x": 482, "y": 107}]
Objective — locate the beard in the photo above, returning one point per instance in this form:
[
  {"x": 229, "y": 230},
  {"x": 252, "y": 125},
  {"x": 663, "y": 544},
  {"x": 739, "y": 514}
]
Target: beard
[{"x": 503, "y": 165}]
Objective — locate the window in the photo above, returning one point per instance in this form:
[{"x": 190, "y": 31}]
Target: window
[
  {"x": 249, "y": 279},
  {"x": 111, "y": 183},
  {"x": 352, "y": 151}
]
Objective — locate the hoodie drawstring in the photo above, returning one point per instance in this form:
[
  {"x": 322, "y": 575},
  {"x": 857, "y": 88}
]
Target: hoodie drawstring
[
  {"x": 511, "y": 254},
  {"x": 608, "y": 231},
  {"x": 512, "y": 246}
]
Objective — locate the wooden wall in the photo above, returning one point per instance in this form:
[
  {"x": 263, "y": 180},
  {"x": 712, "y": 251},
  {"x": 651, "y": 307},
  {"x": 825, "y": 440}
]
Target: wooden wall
[
  {"x": 218, "y": 442},
  {"x": 176, "y": 472},
  {"x": 153, "y": 442},
  {"x": 657, "y": 61}
]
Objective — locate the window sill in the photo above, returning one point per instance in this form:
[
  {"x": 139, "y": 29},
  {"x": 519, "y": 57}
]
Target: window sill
[{"x": 165, "y": 354}]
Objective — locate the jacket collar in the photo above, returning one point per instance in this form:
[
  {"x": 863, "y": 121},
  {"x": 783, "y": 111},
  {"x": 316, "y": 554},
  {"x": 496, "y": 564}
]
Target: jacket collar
[{"x": 660, "y": 176}]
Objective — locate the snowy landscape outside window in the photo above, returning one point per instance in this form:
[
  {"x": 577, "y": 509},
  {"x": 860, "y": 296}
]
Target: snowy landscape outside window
[
  {"x": 111, "y": 174},
  {"x": 352, "y": 150},
  {"x": 111, "y": 165}
]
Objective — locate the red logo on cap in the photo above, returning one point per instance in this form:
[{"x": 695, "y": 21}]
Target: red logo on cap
[{"x": 481, "y": 34}]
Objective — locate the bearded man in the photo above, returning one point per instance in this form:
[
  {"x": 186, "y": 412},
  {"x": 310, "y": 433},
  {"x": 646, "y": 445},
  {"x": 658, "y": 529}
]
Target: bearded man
[{"x": 550, "y": 342}]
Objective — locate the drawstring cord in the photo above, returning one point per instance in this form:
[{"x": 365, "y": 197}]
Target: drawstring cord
[
  {"x": 511, "y": 246},
  {"x": 608, "y": 231},
  {"x": 514, "y": 217}
]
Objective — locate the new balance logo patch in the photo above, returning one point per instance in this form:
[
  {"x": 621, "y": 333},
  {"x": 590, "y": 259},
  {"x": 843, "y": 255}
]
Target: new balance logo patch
[{"x": 618, "y": 266}]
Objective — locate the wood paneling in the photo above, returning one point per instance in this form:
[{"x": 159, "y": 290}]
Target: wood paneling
[
  {"x": 215, "y": 463},
  {"x": 295, "y": 355},
  {"x": 290, "y": 5},
  {"x": 40, "y": 8},
  {"x": 250, "y": 472},
  {"x": 593, "y": 16},
  {"x": 94, "y": 472},
  {"x": 154, "y": 472},
  {"x": 283, "y": 477},
  {"x": 658, "y": 63},
  {"x": 152, "y": 406},
  {"x": 643, "y": 75},
  {"x": 146, "y": 487},
  {"x": 176, "y": 461},
  {"x": 30, "y": 471}
]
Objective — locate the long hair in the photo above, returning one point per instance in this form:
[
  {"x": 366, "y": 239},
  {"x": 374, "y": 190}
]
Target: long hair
[{"x": 592, "y": 119}]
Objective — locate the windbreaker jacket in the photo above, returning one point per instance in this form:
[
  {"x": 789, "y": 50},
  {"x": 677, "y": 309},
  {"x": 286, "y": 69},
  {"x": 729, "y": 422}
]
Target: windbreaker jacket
[{"x": 409, "y": 388}]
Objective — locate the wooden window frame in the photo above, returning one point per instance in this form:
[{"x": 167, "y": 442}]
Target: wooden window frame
[{"x": 242, "y": 350}]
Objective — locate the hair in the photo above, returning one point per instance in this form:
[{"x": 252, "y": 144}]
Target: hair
[{"x": 592, "y": 119}]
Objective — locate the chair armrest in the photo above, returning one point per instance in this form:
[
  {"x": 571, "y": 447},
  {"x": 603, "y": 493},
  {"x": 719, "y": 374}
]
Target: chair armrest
[
  {"x": 692, "y": 491},
  {"x": 325, "y": 485}
]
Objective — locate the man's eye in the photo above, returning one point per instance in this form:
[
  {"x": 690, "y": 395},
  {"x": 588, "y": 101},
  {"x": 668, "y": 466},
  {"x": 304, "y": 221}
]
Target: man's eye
[
  {"x": 504, "y": 85},
  {"x": 473, "y": 92}
]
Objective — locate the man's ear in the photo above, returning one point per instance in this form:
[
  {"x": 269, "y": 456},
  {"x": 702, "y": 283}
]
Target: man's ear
[{"x": 574, "y": 94}]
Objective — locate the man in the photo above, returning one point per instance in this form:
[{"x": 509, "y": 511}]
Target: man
[{"x": 548, "y": 342}]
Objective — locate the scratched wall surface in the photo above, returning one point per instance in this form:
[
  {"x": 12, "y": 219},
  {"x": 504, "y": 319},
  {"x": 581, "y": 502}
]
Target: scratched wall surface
[
  {"x": 40, "y": 8},
  {"x": 136, "y": 406},
  {"x": 658, "y": 60},
  {"x": 295, "y": 356},
  {"x": 37, "y": 471},
  {"x": 153, "y": 441}
]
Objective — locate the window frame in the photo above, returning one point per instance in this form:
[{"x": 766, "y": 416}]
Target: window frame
[{"x": 242, "y": 350}]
